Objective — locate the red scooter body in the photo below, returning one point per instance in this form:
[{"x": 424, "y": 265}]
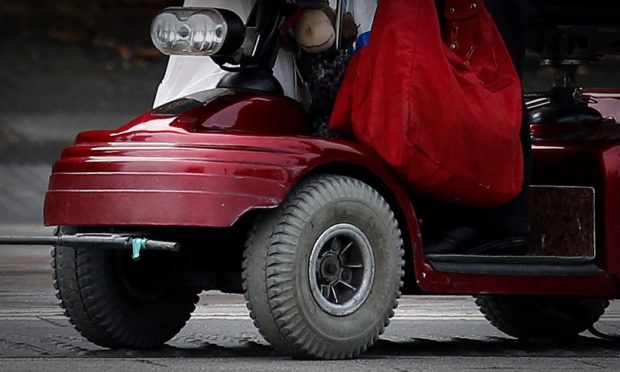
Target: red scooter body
[
  {"x": 208, "y": 160},
  {"x": 228, "y": 189},
  {"x": 206, "y": 166}
]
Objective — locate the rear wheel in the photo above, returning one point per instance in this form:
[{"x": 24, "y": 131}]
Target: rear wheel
[
  {"x": 538, "y": 317},
  {"x": 321, "y": 273},
  {"x": 117, "y": 303}
]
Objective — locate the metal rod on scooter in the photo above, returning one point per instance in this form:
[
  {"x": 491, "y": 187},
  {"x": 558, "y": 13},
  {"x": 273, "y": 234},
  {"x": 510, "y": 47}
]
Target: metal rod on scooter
[
  {"x": 338, "y": 25},
  {"x": 98, "y": 241}
]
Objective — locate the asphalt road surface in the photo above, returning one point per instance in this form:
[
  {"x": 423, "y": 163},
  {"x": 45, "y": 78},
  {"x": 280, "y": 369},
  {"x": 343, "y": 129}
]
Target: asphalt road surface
[{"x": 427, "y": 334}]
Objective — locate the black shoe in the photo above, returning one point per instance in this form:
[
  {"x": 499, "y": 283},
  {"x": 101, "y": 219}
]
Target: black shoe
[{"x": 471, "y": 241}]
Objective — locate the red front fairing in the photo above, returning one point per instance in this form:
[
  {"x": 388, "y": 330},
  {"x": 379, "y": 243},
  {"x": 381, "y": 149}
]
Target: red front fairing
[{"x": 175, "y": 166}]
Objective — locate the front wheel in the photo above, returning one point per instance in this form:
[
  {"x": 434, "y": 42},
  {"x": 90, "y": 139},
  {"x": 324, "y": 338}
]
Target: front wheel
[
  {"x": 117, "y": 303},
  {"x": 321, "y": 273}
]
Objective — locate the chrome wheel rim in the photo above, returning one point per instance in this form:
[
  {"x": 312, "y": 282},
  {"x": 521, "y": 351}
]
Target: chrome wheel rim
[{"x": 341, "y": 269}]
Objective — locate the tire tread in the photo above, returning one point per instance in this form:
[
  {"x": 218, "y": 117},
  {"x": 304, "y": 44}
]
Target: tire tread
[
  {"x": 96, "y": 315},
  {"x": 530, "y": 317},
  {"x": 270, "y": 253}
]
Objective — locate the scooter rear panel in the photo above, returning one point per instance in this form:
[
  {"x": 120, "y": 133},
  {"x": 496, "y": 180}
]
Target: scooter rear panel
[{"x": 587, "y": 157}]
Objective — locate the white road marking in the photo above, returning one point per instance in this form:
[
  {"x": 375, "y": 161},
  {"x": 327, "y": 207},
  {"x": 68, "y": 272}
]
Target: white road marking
[{"x": 239, "y": 312}]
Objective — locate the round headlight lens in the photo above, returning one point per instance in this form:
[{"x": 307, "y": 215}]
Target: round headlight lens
[{"x": 187, "y": 31}]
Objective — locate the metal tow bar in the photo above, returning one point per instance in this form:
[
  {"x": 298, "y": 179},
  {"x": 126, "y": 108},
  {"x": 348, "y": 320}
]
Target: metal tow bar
[{"x": 96, "y": 241}]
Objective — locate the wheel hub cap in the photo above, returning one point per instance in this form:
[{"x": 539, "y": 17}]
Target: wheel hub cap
[{"x": 341, "y": 269}]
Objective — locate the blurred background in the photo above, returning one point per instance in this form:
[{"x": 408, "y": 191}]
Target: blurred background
[
  {"x": 72, "y": 65},
  {"x": 67, "y": 66}
]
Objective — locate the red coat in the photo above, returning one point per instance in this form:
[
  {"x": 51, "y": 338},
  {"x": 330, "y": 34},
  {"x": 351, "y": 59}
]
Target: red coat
[{"x": 445, "y": 114}]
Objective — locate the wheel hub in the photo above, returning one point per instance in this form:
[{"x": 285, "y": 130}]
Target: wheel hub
[
  {"x": 341, "y": 269},
  {"x": 330, "y": 269}
]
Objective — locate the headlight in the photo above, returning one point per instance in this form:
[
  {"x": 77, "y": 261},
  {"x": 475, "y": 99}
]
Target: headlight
[{"x": 197, "y": 31}]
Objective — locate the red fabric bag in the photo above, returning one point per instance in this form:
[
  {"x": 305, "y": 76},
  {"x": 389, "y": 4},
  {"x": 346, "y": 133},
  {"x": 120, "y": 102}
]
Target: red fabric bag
[{"x": 445, "y": 114}]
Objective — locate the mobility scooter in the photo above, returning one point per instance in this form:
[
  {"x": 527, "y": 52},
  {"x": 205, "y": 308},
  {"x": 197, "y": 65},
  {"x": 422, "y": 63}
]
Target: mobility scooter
[{"x": 229, "y": 190}]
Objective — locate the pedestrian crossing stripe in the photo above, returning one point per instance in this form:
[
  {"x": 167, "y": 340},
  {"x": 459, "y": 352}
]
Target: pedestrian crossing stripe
[{"x": 57, "y": 314}]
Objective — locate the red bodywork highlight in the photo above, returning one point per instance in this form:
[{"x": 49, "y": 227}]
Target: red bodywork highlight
[
  {"x": 175, "y": 179},
  {"x": 181, "y": 169}
]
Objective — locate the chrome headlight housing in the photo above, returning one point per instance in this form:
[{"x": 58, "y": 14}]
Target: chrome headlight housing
[{"x": 197, "y": 32}]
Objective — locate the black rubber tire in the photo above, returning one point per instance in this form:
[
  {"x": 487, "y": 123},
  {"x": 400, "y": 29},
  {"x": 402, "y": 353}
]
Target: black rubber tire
[
  {"x": 276, "y": 269},
  {"x": 97, "y": 301},
  {"x": 541, "y": 317}
]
